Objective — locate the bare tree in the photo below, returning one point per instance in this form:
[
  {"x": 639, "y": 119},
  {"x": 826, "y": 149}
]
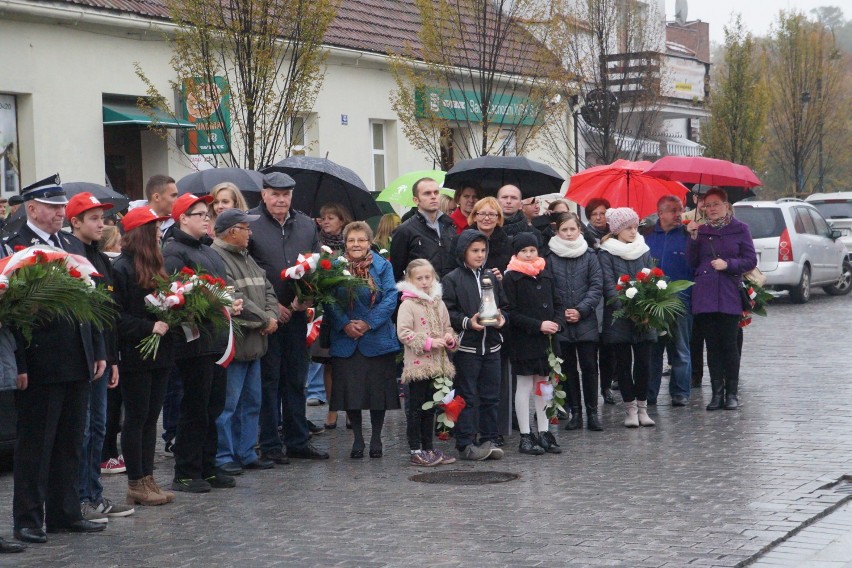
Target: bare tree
[{"x": 271, "y": 57}]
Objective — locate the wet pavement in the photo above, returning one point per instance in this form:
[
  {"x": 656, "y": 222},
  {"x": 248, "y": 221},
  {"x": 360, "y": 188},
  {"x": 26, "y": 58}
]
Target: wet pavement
[{"x": 722, "y": 488}]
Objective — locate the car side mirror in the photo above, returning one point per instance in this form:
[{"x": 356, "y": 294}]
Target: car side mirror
[{"x": 835, "y": 234}]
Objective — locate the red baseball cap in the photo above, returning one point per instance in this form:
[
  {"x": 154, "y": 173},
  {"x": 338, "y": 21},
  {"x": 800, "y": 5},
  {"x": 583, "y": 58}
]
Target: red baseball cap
[
  {"x": 83, "y": 202},
  {"x": 140, "y": 216},
  {"x": 187, "y": 200}
]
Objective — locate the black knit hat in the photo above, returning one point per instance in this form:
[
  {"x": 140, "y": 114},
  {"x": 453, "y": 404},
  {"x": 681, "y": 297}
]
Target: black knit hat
[{"x": 522, "y": 241}]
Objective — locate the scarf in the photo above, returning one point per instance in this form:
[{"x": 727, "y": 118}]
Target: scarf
[
  {"x": 528, "y": 268},
  {"x": 627, "y": 251},
  {"x": 361, "y": 269},
  {"x": 334, "y": 242},
  {"x": 719, "y": 223},
  {"x": 568, "y": 249},
  {"x": 597, "y": 234}
]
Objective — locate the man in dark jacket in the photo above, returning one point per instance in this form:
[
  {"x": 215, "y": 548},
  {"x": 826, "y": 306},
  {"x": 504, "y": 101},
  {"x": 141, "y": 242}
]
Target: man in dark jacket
[
  {"x": 279, "y": 236},
  {"x": 51, "y": 399},
  {"x": 667, "y": 241},
  {"x": 427, "y": 234},
  {"x": 514, "y": 220}
]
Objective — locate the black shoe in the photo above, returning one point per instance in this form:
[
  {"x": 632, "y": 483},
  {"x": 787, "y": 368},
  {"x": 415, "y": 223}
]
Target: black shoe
[
  {"x": 191, "y": 485},
  {"x": 276, "y": 456},
  {"x": 81, "y": 526},
  {"x": 576, "y": 421},
  {"x": 314, "y": 429},
  {"x": 715, "y": 402},
  {"x": 331, "y": 426},
  {"x": 230, "y": 468},
  {"x": 260, "y": 463},
  {"x": 220, "y": 481},
  {"x": 530, "y": 446},
  {"x": 731, "y": 402},
  {"x": 593, "y": 422},
  {"x": 36, "y": 536},
  {"x": 170, "y": 447},
  {"x": 499, "y": 442},
  {"x": 356, "y": 454},
  {"x": 548, "y": 441},
  {"x": 679, "y": 400},
  {"x": 307, "y": 453},
  {"x": 562, "y": 415},
  {"x": 607, "y": 396},
  {"x": 11, "y": 547}
]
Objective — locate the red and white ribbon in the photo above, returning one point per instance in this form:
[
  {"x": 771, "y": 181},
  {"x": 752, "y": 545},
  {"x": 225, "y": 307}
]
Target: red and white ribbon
[
  {"x": 313, "y": 331},
  {"x": 228, "y": 356}
]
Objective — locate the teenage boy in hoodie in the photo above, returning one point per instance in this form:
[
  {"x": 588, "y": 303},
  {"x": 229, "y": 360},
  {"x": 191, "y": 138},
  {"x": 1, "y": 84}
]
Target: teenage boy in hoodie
[{"x": 477, "y": 360}]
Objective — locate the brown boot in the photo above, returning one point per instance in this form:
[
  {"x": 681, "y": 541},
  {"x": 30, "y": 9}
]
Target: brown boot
[
  {"x": 138, "y": 493},
  {"x": 152, "y": 485}
]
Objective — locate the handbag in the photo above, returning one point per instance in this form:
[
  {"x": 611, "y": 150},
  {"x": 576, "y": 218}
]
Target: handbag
[{"x": 755, "y": 276}]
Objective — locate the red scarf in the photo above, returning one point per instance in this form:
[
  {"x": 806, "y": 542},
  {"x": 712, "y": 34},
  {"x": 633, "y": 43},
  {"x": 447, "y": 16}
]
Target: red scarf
[{"x": 528, "y": 268}]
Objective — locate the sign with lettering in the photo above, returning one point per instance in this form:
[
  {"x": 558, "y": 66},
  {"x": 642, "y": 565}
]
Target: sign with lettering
[
  {"x": 208, "y": 106},
  {"x": 683, "y": 78},
  {"x": 465, "y": 106}
]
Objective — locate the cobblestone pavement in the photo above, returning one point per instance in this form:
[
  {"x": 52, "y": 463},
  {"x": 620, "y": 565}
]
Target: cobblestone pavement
[{"x": 700, "y": 489}]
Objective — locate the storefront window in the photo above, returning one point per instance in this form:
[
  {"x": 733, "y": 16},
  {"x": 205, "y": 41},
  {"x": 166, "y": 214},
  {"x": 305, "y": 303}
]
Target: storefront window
[{"x": 9, "y": 170}]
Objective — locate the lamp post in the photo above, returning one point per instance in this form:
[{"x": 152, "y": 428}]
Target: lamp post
[
  {"x": 820, "y": 171},
  {"x": 800, "y": 176},
  {"x": 576, "y": 105}
]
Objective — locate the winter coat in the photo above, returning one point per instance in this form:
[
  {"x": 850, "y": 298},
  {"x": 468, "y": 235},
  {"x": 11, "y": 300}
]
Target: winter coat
[
  {"x": 276, "y": 246},
  {"x": 462, "y": 296},
  {"x": 718, "y": 291},
  {"x": 136, "y": 322},
  {"x": 423, "y": 317},
  {"x": 459, "y": 220},
  {"x": 579, "y": 283},
  {"x": 415, "y": 239},
  {"x": 186, "y": 251},
  {"x": 518, "y": 223},
  {"x": 668, "y": 251},
  {"x": 380, "y": 339},
  {"x": 620, "y": 330},
  {"x": 259, "y": 301},
  {"x": 531, "y": 301},
  {"x": 499, "y": 250}
]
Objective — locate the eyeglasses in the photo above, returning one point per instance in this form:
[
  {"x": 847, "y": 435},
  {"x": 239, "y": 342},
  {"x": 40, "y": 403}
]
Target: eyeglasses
[
  {"x": 242, "y": 228},
  {"x": 487, "y": 215},
  {"x": 202, "y": 214},
  {"x": 353, "y": 241}
]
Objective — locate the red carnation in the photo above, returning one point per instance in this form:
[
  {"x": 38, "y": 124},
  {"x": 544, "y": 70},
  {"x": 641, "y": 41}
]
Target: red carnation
[
  {"x": 220, "y": 282},
  {"x": 453, "y": 408},
  {"x": 325, "y": 264},
  {"x": 686, "y": 221},
  {"x": 641, "y": 276},
  {"x": 74, "y": 273},
  {"x": 19, "y": 248},
  {"x": 40, "y": 257},
  {"x": 443, "y": 436},
  {"x": 657, "y": 272},
  {"x": 187, "y": 271},
  {"x": 624, "y": 278},
  {"x": 619, "y": 287}
]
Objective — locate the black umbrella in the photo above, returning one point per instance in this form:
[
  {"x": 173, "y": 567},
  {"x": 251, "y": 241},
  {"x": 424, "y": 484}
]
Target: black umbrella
[
  {"x": 734, "y": 193},
  {"x": 104, "y": 194},
  {"x": 320, "y": 181},
  {"x": 202, "y": 181},
  {"x": 490, "y": 173}
]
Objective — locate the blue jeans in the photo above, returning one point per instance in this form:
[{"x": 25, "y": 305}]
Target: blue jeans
[
  {"x": 477, "y": 381},
  {"x": 680, "y": 358},
  {"x": 238, "y": 424},
  {"x": 283, "y": 372},
  {"x": 316, "y": 387},
  {"x": 171, "y": 405},
  {"x": 89, "y": 482}
]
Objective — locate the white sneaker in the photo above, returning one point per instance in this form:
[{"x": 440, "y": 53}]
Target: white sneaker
[{"x": 91, "y": 513}]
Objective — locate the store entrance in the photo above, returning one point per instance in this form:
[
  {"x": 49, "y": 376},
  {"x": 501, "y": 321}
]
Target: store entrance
[{"x": 123, "y": 159}]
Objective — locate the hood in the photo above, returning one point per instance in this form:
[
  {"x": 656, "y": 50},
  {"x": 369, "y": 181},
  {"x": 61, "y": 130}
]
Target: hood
[
  {"x": 465, "y": 239},
  {"x": 410, "y": 291}
]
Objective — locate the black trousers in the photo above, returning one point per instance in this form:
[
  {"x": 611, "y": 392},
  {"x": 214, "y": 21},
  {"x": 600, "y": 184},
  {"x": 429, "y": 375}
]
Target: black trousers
[
  {"x": 51, "y": 423},
  {"x": 584, "y": 355},
  {"x": 143, "y": 393},
  {"x": 607, "y": 365},
  {"x": 420, "y": 423},
  {"x": 722, "y": 334},
  {"x": 204, "y": 387},
  {"x": 113, "y": 423},
  {"x": 633, "y": 379}
]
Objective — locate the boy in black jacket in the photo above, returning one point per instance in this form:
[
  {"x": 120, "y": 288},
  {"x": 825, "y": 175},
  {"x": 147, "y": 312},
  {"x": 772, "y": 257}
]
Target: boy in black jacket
[{"x": 477, "y": 360}]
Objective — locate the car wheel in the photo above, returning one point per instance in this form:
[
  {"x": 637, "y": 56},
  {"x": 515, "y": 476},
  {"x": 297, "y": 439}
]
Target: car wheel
[
  {"x": 801, "y": 293},
  {"x": 844, "y": 284}
]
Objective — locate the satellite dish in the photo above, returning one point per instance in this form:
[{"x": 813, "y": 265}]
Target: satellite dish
[{"x": 680, "y": 11}]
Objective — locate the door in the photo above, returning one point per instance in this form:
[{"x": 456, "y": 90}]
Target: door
[
  {"x": 123, "y": 159},
  {"x": 833, "y": 251}
]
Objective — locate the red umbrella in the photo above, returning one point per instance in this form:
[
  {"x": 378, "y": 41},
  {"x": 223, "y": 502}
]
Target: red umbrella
[
  {"x": 624, "y": 184},
  {"x": 707, "y": 171}
]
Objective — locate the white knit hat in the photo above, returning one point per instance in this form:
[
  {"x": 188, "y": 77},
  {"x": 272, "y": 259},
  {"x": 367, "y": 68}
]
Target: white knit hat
[{"x": 619, "y": 218}]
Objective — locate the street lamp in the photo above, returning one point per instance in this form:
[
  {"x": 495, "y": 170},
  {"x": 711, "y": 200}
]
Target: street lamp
[
  {"x": 820, "y": 171},
  {"x": 576, "y": 106}
]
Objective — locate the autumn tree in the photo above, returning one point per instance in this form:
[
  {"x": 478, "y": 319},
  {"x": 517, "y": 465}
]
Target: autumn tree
[
  {"x": 738, "y": 101},
  {"x": 474, "y": 81},
  {"x": 271, "y": 57}
]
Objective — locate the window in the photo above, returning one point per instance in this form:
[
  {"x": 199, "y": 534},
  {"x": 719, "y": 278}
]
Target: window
[
  {"x": 9, "y": 171},
  {"x": 820, "y": 225},
  {"x": 804, "y": 223},
  {"x": 297, "y": 134},
  {"x": 377, "y": 132}
]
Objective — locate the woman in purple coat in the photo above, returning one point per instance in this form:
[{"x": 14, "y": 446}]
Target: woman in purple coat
[{"x": 720, "y": 251}]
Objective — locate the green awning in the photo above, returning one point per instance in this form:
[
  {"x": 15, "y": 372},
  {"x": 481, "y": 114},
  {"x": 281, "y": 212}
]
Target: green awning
[{"x": 121, "y": 113}]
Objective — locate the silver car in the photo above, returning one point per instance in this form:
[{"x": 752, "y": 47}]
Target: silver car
[
  {"x": 796, "y": 247},
  {"x": 837, "y": 209}
]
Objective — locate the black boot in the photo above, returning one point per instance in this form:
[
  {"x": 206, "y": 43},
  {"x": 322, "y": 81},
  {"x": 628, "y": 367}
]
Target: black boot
[
  {"x": 607, "y": 396},
  {"x": 593, "y": 422},
  {"x": 548, "y": 441},
  {"x": 718, "y": 394},
  {"x": 529, "y": 446},
  {"x": 731, "y": 400},
  {"x": 576, "y": 422}
]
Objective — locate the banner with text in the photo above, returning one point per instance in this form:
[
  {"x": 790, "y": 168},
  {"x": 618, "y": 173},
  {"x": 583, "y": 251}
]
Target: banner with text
[
  {"x": 465, "y": 106},
  {"x": 208, "y": 106}
]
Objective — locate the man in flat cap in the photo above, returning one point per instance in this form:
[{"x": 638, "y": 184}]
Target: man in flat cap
[
  {"x": 52, "y": 398},
  {"x": 278, "y": 237}
]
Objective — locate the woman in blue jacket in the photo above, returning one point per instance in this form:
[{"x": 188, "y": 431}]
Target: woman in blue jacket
[{"x": 363, "y": 341}]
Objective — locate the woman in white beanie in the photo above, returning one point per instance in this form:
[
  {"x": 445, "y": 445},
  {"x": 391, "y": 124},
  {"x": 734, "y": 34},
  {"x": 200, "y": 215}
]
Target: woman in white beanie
[{"x": 623, "y": 251}]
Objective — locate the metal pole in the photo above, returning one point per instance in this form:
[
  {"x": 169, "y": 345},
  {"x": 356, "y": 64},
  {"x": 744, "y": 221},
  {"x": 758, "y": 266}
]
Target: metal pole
[
  {"x": 577, "y": 150},
  {"x": 821, "y": 172}
]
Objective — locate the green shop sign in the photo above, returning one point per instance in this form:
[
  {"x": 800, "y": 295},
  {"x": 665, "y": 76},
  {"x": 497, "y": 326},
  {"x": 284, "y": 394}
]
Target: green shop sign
[
  {"x": 208, "y": 107},
  {"x": 465, "y": 106}
]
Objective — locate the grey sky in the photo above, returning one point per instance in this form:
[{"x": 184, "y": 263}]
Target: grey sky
[{"x": 758, "y": 15}]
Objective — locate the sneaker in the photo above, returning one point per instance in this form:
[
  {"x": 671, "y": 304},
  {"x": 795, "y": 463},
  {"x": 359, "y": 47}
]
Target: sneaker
[
  {"x": 221, "y": 481},
  {"x": 443, "y": 458},
  {"x": 113, "y": 465},
  {"x": 113, "y": 509},
  {"x": 496, "y": 452},
  {"x": 424, "y": 459},
  {"x": 315, "y": 402},
  {"x": 170, "y": 447},
  {"x": 472, "y": 452},
  {"x": 90, "y": 513},
  {"x": 191, "y": 485}
]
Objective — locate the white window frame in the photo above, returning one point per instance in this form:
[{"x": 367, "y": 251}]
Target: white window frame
[{"x": 383, "y": 152}]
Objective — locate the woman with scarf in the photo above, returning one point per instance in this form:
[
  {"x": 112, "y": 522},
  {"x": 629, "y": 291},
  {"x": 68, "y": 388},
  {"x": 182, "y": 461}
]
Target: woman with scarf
[
  {"x": 624, "y": 251},
  {"x": 363, "y": 341},
  {"x": 721, "y": 251}
]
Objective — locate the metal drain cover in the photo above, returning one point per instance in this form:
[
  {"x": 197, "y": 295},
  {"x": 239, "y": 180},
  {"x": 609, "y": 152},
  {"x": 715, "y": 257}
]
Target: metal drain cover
[{"x": 465, "y": 477}]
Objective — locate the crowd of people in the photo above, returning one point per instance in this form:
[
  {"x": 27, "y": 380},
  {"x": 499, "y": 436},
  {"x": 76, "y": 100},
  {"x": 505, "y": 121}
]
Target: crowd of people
[{"x": 424, "y": 284}]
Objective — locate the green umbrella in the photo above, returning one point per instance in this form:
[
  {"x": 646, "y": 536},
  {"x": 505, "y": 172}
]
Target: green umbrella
[{"x": 399, "y": 190}]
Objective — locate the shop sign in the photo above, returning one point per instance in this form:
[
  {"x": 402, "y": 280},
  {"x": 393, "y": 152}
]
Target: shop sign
[
  {"x": 464, "y": 106},
  {"x": 208, "y": 106}
]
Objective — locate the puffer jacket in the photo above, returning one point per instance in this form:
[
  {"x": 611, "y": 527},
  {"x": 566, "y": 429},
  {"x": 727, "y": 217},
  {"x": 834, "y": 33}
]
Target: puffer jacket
[
  {"x": 423, "y": 317},
  {"x": 415, "y": 239},
  {"x": 579, "y": 283},
  {"x": 462, "y": 296},
  {"x": 531, "y": 301},
  {"x": 259, "y": 300},
  {"x": 620, "y": 330}
]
